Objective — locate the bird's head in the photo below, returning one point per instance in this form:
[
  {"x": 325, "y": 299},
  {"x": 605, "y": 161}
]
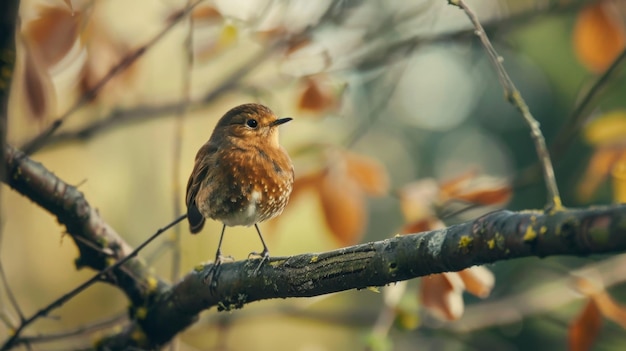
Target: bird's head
[{"x": 250, "y": 122}]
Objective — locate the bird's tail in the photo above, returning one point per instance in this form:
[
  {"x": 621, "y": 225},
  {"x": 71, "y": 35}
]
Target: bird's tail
[{"x": 196, "y": 220}]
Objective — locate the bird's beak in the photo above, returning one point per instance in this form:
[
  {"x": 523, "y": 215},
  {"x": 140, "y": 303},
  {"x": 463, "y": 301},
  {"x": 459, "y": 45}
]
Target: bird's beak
[{"x": 280, "y": 121}]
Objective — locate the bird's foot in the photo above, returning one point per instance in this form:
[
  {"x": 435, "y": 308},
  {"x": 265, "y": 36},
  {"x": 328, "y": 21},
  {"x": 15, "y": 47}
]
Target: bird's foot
[
  {"x": 264, "y": 256},
  {"x": 213, "y": 272}
]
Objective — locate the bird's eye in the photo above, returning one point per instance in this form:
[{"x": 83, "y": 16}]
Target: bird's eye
[{"x": 252, "y": 123}]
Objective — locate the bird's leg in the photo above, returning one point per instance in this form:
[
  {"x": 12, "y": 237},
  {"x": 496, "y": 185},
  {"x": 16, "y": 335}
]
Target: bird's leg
[
  {"x": 211, "y": 275},
  {"x": 265, "y": 254}
]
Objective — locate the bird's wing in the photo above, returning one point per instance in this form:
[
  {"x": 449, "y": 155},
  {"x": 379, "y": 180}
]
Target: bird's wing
[{"x": 200, "y": 169}]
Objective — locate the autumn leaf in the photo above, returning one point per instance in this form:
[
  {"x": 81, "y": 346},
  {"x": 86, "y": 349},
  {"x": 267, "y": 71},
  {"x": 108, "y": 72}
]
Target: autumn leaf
[
  {"x": 478, "y": 281},
  {"x": 206, "y": 14},
  {"x": 602, "y": 162},
  {"x": 442, "y": 294},
  {"x": 369, "y": 173},
  {"x": 476, "y": 189},
  {"x": 317, "y": 96},
  {"x": 418, "y": 198},
  {"x": 51, "y": 36},
  {"x": 584, "y": 330},
  {"x": 343, "y": 204},
  {"x": 599, "y": 35},
  {"x": 36, "y": 83},
  {"x": 609, "y": 129}
]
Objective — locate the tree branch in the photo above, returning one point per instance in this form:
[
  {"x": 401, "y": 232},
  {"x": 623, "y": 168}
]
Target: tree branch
[{"x": 494, "y": 237}]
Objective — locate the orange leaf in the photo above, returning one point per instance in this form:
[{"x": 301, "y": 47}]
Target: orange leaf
[
  {"x": 599, "y": 35},
  {"x": 610, "y": 309},
  {"x": 600, "y": 164},
  {"x": 477, "y": 189},
  {"x": 478, "y": 280},
  {"x": 441, "y": 294},
  {"x": 418, "y": 226},
  {"x": 452, "y": 186},
  {"x": 417, "y": 199},
  {"x": 206, "y": 13},
  {"x": 370, "y": 174},
  {"x": 53, "y": 34},
  {"x": 316, "y": 97},
  {"x": 422, "y": 225},
  {"x": 495, "y": 196},
  {"x": 343, "y": 204},
  {"x": 584, "y": 330}
]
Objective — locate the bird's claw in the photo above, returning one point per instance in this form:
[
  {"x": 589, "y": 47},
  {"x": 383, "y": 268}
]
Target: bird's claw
[
  {"x": 264, "y": 256},
  {"x": 212, "y": 274}
]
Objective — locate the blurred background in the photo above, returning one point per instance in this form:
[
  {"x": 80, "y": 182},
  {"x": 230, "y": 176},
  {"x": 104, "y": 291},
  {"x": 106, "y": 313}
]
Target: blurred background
[{"x": 400, "y": 125}]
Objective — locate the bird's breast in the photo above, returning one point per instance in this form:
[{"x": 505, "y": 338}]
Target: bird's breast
[{"x": 247, "y": 187}]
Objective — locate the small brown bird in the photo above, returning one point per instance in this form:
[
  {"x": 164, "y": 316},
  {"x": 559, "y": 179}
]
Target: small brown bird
[{"x": 242, "y": 176}]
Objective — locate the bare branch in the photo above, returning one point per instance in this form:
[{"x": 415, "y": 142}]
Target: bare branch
[
  {"x": 515, "y": 97},
  {"x": 85, "y": 225},
  {"x": 501, "y": 235}
]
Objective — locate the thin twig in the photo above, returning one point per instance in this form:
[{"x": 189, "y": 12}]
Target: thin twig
[
  {"x": 37, "y": 142},
  {"x": 66, "y": 297},
  {"x": 3, "y": 277},
  {"x": 9, "y": 293},
  {"x": 82, "y": 330},
  {"x": 143, "y": 113},
  {"x": 515, "y": 97}
]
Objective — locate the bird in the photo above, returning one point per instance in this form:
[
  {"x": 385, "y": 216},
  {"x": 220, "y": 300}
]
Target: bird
[{"x": 242, "y": 175}]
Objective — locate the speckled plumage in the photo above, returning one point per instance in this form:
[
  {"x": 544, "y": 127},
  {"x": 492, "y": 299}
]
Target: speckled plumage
[{"x": 242, "y": 176}]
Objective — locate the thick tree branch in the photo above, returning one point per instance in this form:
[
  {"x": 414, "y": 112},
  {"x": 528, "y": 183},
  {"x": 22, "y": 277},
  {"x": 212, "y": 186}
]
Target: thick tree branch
[
  {"x": 496, "y": 236},
  {"x": 99, "y": 244}
]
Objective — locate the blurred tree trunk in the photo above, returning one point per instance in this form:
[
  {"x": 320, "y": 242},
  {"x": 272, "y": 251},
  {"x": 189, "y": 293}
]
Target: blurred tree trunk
[{"x": 8, "y": 24}]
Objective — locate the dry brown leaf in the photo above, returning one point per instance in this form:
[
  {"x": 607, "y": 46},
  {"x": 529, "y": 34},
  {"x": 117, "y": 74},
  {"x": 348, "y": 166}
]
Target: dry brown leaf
[
  {"x": 477, "y": 189},
  {"x": 500, "y": 194},
  {"x": 53, "y": 34},
  {"x": 296, "y": 44},
  {"x": 206, "y": 13},
  {"x": 316, "y": 97},
  {"x": 368, "y": 173},
  {"x": 418, "y": 198},
  {"x": 478, "y": 280},
  {"x": 343, "y": 204},
  {"x": 584, "y": 330},
  {"x": 38, "y": 90},
  {"x": 442, "y": 294},
  {"x": 599, "y": 35},
  {"x": 453, "y": 186}
]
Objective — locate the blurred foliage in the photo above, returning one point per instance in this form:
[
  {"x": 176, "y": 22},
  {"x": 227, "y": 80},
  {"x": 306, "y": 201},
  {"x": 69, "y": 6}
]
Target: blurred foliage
[{"x": 385, "y": 96}]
